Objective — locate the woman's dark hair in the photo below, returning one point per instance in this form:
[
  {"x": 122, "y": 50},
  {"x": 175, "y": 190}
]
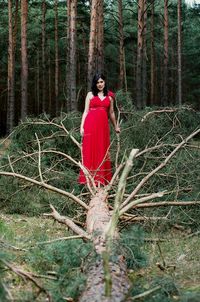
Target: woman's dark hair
[{"x": 94, "y": 84}]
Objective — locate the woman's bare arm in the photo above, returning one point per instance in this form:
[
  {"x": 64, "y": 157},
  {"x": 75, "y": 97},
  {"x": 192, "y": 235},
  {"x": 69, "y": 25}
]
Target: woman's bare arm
[
  {"x": 112, "y": 115},
  {"x": 87, "y": 104}
]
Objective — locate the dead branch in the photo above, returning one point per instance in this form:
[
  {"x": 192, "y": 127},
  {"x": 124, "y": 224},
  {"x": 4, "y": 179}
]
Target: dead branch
[
  {"x": 167, "y": 203},
  {"x": 60, "y": 126},
  {"x": 193, "y": 234},
  {"x": 46, "y": 186},
  {"x": 39, "y": 159},
  {"x": 61, "y": 239},
  {"x": 117, "y": 171},
  {"x": 167, "y": 110},
  {"x": 7, "y": 245},
  {"x": 64, "y": 220},
  {"x": 26, "y": 275},
  {"x": 163, "y": 164},
  {"x": 112, "y": 225},
  {"x": 119, "y": 196},
  {"x": 146, "y": 293},
  {"x": 140, "y": 200}
]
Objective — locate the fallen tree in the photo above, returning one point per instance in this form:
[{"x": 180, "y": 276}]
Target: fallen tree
[{"x": 107, "y": 277}]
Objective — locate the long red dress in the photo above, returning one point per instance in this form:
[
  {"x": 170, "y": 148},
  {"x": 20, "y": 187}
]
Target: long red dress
[{"x": 96, "y": 141}]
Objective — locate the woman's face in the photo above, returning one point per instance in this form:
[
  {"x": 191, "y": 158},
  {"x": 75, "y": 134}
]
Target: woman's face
[{"x": 100, "y": 84}]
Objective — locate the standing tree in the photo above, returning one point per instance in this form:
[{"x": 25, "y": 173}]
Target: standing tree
[
  {"x": 11, "y": 91},
  {"x": 179, "y": 55},
  {"x": 96, "y": 41},
  {"x": 72, "y": 55},
  {"x": 139, "y": 53},
  {"x": 166, "y": 54},
  {"x": 67, "y": 78},
  {"x": 92, "y": 40},
  {"x": 121, "y": 46},
  {"x": 24, "y": 59},
  {"x": 56, "y": 57},
  {"x": 152, "y": 89},
  {"x": 144, "y": 57},
  {"x": 100, "y": 37},
  {"x": 43, "y": 55}
]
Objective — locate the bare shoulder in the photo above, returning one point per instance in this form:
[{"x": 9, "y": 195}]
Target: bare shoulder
[{"x": 89, "y": 95}]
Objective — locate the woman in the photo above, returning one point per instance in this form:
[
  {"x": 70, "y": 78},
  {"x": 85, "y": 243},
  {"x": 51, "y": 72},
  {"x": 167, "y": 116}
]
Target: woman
[{"x": 95, "y": 131}]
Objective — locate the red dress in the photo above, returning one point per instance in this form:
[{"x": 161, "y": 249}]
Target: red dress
[{"x": 96, "y": 141}]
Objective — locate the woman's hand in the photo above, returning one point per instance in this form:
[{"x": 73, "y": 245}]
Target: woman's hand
[{"x": 117, "y": 129}]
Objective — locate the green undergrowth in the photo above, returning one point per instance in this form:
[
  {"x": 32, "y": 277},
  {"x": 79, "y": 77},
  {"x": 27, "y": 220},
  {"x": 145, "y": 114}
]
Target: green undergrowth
[
  {"x": 139, "y": 129},
  {"x": 168, "y": 264}
]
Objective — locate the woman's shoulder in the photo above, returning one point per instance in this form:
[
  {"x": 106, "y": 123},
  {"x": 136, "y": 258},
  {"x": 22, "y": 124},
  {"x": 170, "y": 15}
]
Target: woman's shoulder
[
  {"x": 111, "y": 94},
  {"x": 90, "y": 95}
]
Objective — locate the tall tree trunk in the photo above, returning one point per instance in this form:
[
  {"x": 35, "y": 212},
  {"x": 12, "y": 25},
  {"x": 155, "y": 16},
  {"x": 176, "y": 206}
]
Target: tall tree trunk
[
  {"x": 50, "y": 107},
  {"x": 72, "y": 54},
  {"x": 144, "y": 56},
  {"x": 139, "y": 54},
  {"x": 11, "y": 91},
  {"x": 92, "y": 41},
  {"x": 179, "y": 55},
  {"x": 56, "y": 57},
  {"x": 68, "y": 105},
  {"x": 100, "y": 38},
  {"x": 152, "y": 97},
  {"x": 24, "y": 59},
  {"x": 44, "y": 105},
  {"x": 38, "y": 82},
  {"x": 166, "y": 54},
  {"x": 121, "y": 46}
]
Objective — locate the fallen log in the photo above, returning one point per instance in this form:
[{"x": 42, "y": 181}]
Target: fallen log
[{"x": 98, "y": 217}]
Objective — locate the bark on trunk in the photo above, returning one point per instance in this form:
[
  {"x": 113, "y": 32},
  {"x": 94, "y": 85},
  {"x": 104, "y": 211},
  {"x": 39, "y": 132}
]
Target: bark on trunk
[
  {"x": 11, "y": 95},
  {"x": 56, "y": 57},
  {"x": 44, "y": 105},
  {"x": 24, "y": 59},
  {"x": 139, "y": 54},
  {"x": 92, "y": 42},
  {"x": 68, "y": 105},
  {"x": 72, "y": 55},
  {"x": 144, "y": 56},
  {"x": 179, "y": 55},
  {"x": 98, "y": 217},
  {"x": 121, "y": 46},
  {"x": 166, "y": 54},
  {"x": 152, "y": 98},
  {"x": 100, "y": 38}
]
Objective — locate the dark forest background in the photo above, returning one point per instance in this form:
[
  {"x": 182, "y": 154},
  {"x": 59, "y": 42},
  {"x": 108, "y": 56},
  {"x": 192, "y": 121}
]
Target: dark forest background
[{"x": 141, "y": 55}]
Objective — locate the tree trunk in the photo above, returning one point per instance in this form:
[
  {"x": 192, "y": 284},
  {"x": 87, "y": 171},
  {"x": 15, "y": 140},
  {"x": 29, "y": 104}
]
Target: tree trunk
[
  {"x": 98, "y": 217},
  {"x": 38, "y": 82},
  {"x": 166, "y": 54},
  {"x": 68, "y": 105},
  {"x": 51, "y": 108},
  {"x": 44, "y": 105},
  {"x": 11, "y": 91},
  {"x": 139, "y": 54},
  {"x": 121, "y": 46},
  {"x": 144, "y": 56},
  {"x": 56, "y": 58},
  {"x": 179, "y": 54},
  {"x": 72, "y": 54},
  {"x": 11, "y": 65},
  {"x": 92, "y": 41},
  {"x": 24, "y": 59},
  {"x": 152, "y": 97},
  {"x": 100, "y": 38}
]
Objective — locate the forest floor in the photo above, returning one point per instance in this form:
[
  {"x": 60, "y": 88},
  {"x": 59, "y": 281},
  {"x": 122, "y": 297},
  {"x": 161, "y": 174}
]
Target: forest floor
[{"x": 176, "y": 254}]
